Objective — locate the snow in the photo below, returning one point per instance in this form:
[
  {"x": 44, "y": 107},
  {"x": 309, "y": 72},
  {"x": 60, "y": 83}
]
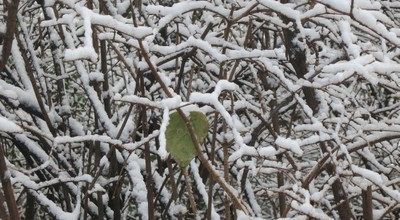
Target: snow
[
  {"x": 76, "y": 139},
  {"x": 237, "y": 69},
  {"x": 370, "y": 21},
  {"x": 35, "y": 61},
  {"x": 20, "y": 66},
  {"x": 180, "y": 8},
  {"x": 137, "y": 100},
  {"x": 341, "y": 5},
  {"x": 91, "y": 93},
  {"x": 289, "y": 144},
  {"x": 34, "y": 148},
  {"x": 133, "y": 145},
  {"x": 242, "y": 216},
  {"x": 267, "y": 151},
  {"x": 285, "y": 9},
  {"x": 368, "y": 174},
  {"x": 308, "y": 209},
  {"x": 9, "y": 126},
  {"x": 280, "y": 74},
  {"x": 43, "y": 200},
  {"x": 194, "y": 168},
  {"x": 80, "y": 53},
  {"x": 212, "y": 99},
  {"x": 376, "y": 179},
  {"x": 348, "y": 38},
  {"x": 2, "y": 28},
  {"x": 252, "y": 198},
  {"x": 162, "y": 151},
  {"x": 171, "y": 103},
  {"x": 108, "y": 21},
  {"x": 240, "y": 53},
  {"x": 139, "y": 190},
  {"x": 76, "y": 127}
]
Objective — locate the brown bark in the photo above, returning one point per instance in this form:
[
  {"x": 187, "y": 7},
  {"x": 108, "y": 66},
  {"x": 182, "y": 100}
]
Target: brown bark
[
  {"x": 297, "y": 58},
  {"x": 367, "y": 203},
  {"x": 11, "y": 27},
  {"x": 3, "y": 211},
  {"x": 149, "y": 175},
  {"x": 36, "y": 90},
  {"x": 7, "y": 187}
]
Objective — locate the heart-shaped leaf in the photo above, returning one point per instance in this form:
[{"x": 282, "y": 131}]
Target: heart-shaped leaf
[{"x": 179, "y": 143}]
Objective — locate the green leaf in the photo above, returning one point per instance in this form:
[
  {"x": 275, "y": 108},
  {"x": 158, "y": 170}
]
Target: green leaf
[{"x": 179, "y": 142}]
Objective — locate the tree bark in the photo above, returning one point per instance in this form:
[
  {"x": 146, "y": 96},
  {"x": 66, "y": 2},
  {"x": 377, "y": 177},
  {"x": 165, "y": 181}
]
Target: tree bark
[
  {"x": 7, "y": 187},
  {"x": 298, "y": 59},
  {"x": 367, "y": 203},
  {"x": 11, "y": 27}
]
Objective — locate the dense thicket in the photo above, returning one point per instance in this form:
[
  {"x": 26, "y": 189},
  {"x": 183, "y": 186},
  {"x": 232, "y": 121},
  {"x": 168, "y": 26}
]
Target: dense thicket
[{"x": 301, "y": 98}]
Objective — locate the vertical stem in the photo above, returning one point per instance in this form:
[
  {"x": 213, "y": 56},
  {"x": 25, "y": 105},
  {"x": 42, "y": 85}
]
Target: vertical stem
[
  {"x": 149, "y": 180},
  {"x": 281, "y": 197},
  {"x": 367, "y": 203},
  {"x": 172, "y": 179},
  {"x": 3, "y": 211},
  {"x": 107, "y": 100},
  {"x": 212, "y": 157},
  {"x": 7, "y": 187},
  {"x": 29, "y": 71},
  {"x": 149, "y": 175},
  {"x": 100, "y": 205},
  {"x": 280, "y": 178},
  {"x": 190, "y": 191},
  {"x": 298, "y": 59},
  {"x": 11, "y": 27},
  {"x": 226, "y": 177}
]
